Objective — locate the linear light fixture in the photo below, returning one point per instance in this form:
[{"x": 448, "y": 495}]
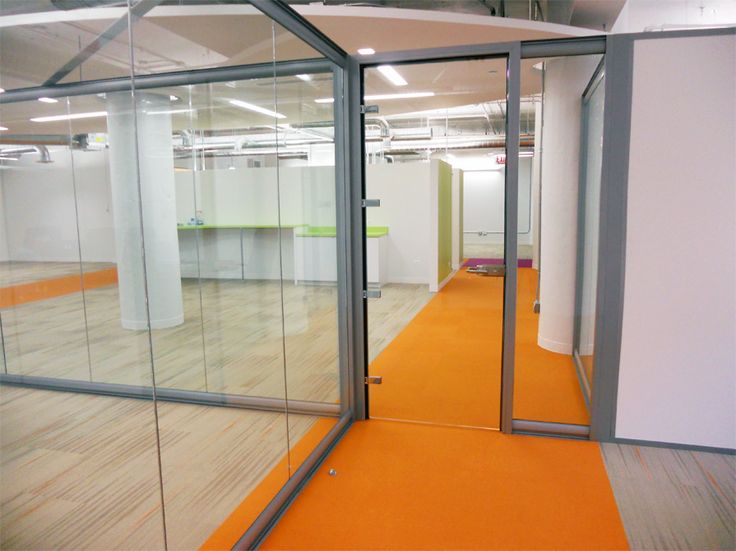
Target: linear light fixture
[
  {"x": 407, "y": 95},
  {"x": 257, "y": 109},
  {"x": 3, "y": 128},
  {"x": 73, "y": 116},
  {"x": 48, "y": 100},
  {"x": 392, "y": 75},
  {"x": 366, "y": 51},
  {"x": 169, "y": 112},
  {"x": 305, "y": 78}
]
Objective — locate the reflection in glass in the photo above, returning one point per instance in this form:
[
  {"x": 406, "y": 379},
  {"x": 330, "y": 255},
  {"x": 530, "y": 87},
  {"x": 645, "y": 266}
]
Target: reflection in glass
[
  {"x": 547, "y": 387},
  {"x": 590, "y": 187}
]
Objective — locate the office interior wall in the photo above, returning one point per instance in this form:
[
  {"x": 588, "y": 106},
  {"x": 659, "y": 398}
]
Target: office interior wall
[
  {"x": 565, "y": 81},
  {"x": 677, "y": 380},
  {"x": 250, "y": 195},
  {"x": 404, "y": 191},
  {"x": 483, "y": 204},
  {"x": 657, "y": 15},
  {"x": 40, "y": 217},
  {"x": 444, "y": 220},
  {"x": 457, "y": 218}
]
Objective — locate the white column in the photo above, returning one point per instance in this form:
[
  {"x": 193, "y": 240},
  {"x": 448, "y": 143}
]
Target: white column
[
  {"x": 565, "y": 81},
  {"x": 155, "y": 164}
]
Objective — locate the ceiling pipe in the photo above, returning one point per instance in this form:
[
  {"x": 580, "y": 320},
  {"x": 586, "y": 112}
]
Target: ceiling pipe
[{"x": 14, "y": 152}]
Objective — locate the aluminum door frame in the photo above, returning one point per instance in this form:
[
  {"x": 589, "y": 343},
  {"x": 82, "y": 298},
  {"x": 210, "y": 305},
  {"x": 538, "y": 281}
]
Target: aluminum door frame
[{"x": 512, "y": 52}]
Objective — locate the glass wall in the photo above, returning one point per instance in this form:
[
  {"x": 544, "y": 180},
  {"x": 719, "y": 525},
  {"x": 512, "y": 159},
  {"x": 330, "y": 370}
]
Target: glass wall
[
  {"x": 168, "y": 288},
  {"x": 548, "y": 387},
  {"x": 590, "y": 196}
]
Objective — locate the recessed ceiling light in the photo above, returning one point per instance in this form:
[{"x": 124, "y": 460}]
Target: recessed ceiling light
[
  {"x": 392, "y": 75},
  {"x": 407, "y": 95},
  {"x": 73, "y": 116},
  {"x": 48, "y": 100},
  {"x": 305, "y": 78},
  {"x": 174, "y": 98},
  {"x": 366, "y": 51},
  {"x": 257, "y": 109}
]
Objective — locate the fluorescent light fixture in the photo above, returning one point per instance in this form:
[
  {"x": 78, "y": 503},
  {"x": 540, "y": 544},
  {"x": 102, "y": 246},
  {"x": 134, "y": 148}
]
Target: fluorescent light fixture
[
  {"x": 73, "y": 116},
  {"x": 48, "y": 100},
  {"x": 305, "y": 78},
  {"x": 3, "y": 128},
  {"x": 366, "y": 51},
  {"x": 407, "y": 95},
  {"x": 251, "y": 107},
  {"x": 392, "y": 75}
]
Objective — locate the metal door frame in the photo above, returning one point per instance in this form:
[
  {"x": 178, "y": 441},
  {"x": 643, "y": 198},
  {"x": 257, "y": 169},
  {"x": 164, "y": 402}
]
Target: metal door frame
[{"x": 511, "y": 51}]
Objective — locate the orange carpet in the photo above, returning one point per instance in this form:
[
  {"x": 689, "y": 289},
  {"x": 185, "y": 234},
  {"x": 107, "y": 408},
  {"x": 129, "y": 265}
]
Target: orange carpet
[
  {"x": 409, "y": 486},
  {"x": 241, "y": 518},
  {"x": 50, "y": 288},
  {"x": 445, "y": 366},
  {"x": 546, "y": 386}
]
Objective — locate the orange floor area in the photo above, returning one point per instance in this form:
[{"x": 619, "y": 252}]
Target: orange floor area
[
  {"x": 546, "y": 386},
  {"x": 230, "y": 531},
  {"x": 410, "y": 486},
  {"x": 445, "y": 366},
  {"x": 56, "y": 287}
]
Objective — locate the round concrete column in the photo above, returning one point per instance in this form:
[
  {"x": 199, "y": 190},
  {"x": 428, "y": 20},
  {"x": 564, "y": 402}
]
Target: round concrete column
[
  {"x": 565, "y": 81},
  {"x": 154, "y": 164}
]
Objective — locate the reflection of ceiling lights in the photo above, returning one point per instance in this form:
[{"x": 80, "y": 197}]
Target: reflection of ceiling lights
[
  {"x": 407, "y": 95},
  {"x": 392, "y": 75},
  {"x": 257, "y": 109},
  {"x": 305, "y": 78},
  {"x": 48, "y": 100},
  {"x": 73, "y": 116},
  {"x": 2, "y": 90},
  {"x": 3, "y": 128},
  {"x": 366, "y": 51}
]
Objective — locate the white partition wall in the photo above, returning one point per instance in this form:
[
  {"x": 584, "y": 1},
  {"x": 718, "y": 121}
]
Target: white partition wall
[{"x": 677, "y": 379}]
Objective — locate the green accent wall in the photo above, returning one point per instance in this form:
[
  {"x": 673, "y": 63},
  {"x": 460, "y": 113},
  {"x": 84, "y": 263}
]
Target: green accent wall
[
  {"x": 444, "y": 221},
  {"x": 461, "y": 210}
]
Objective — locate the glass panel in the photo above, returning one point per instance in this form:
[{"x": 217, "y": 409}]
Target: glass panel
[
  {"x": 79, "y": 470},
  {"x": 36, "y": 46},
  {"x": 204, "y": 34},
  {"x": 591, "y": 189},
  {"x": 546, "y": 380},
  {"x": 305, "y": 162},
  {"x": 435, "y": 160}
]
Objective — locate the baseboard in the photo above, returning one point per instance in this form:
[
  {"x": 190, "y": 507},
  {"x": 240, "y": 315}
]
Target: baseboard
[
  {"x": 446, "y": 280},
  {"x": 671, "y": 445}
]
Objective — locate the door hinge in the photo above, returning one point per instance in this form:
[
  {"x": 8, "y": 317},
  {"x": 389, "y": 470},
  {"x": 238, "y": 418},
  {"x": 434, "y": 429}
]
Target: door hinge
[
  {"x": 370, "y": 203},
  {"x": 371, "y": 293},
  {"x": 365, "y": 109},
  {"x": 374, "y": 380}
]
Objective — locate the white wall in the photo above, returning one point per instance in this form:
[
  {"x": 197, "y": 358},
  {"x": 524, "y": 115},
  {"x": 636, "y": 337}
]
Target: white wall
[
  {"x": 565, "y": 81},
  {"x": 39, "y": 208},
  {"x": 649, "y": 15},
  {"x": 251, "y": 195},
  {"x": 404, "y": 191},
  {"x": 484, "y": 204},
  {"x": 678, "y": 353}
]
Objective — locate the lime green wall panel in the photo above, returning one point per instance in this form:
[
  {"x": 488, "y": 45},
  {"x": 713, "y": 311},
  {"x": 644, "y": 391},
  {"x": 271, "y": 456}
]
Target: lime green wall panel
[{"x": 444, "y": 221}]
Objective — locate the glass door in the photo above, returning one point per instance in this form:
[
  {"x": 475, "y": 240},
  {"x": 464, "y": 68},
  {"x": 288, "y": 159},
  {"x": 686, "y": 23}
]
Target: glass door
[{"x": 435, "y": 189}]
